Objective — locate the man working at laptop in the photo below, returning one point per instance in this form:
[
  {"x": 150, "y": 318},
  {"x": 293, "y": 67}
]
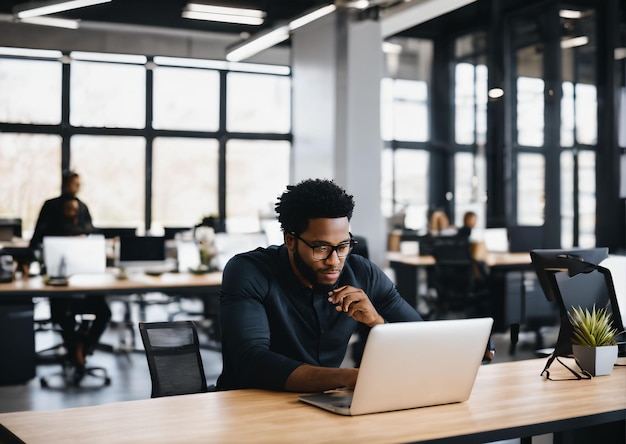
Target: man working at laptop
[
  {"x": 66, "y": 215},
  {"x": 287, "y": 312}
]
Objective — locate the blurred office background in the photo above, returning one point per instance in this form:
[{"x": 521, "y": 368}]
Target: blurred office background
[{"x": 515, "y": 110}]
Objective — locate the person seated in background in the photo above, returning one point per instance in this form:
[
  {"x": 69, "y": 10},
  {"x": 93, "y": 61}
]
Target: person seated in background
[
  {"x": 469, "y": 222},
  {"x": 439, "y": 224},
  {"x": 66, "y": 215},
  {"x": 288, "y": 312},
  {"x": 477, "y": 248}
]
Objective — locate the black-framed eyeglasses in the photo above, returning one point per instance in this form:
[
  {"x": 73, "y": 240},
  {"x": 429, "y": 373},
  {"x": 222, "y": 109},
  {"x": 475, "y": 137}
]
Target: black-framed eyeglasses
[{"x": 323, "y": 252}]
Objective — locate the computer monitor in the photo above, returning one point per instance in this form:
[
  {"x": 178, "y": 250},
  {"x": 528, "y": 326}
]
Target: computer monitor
[
  {"x": 546, "y": 260},
  {"x": 523, "y": 238},
  {"x": 10, "y": 228},
  {"x": 112, "y": 232},
  {"x": 574, "y": 278},
  {"x": 65, "y": 256},
  {"x": 141, "y": 251},
  {"x": 496, "y": 240}
]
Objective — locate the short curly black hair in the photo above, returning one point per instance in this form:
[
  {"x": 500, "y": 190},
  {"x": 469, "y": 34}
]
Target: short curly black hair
[{"x": 310, "y": 199}]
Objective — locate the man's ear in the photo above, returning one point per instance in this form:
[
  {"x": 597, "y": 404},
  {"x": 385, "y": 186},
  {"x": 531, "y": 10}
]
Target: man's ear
[{"x": 290, "y": 241}]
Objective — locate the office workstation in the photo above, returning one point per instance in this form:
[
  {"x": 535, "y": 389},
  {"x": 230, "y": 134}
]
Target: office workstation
[{"x": 174, "y": 133}]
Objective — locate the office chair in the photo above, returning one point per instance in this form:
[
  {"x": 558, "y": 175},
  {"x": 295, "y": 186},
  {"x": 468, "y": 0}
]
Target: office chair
[
  {"x": 174, "y": 360},
  {"x": 457, "y": 279},
  {"x": 73, "y": 376}
]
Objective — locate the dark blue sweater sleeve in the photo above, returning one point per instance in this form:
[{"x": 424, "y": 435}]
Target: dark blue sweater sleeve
[{"x": 248, "y": 360}]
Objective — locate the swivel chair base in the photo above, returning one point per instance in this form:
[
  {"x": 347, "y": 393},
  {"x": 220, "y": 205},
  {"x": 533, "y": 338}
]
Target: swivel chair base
[{"x": 73, "y": 376}]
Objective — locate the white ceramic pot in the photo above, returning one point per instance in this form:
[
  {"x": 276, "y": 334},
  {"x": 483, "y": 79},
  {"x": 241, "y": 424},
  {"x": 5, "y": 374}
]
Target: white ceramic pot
[{"x": 597, "y": 361}]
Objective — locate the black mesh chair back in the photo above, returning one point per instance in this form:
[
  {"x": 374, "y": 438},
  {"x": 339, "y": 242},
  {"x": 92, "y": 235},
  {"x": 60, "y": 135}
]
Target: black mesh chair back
[
  {"x": 455, "y": 278},
  {"x": 174, "y": 360}
]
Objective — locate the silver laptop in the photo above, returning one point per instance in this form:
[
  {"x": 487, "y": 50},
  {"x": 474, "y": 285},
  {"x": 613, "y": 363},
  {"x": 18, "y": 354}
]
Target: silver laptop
[{"x": 413, "y": 364}]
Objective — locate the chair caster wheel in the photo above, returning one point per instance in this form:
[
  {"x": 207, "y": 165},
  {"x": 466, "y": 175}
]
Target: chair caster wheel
[{"x": 43, "y": 383}]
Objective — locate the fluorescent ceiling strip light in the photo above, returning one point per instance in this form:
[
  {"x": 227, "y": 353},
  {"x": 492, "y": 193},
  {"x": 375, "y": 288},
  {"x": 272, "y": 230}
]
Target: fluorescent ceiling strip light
[
  {"x": 358, "y": 4},
  {"x": 210, "y": 9},
  {"x": 391, "y": 48},
  {"x": 570, "y": 14},
  {"x": 212, "y": 17},
  {"x": 198, "y": 11},
  {"x": 52, "y": 21},
  {"x": 308, "y": 18},
  {"x": 574, "y": 42},
  {"x": 35, "y": 53},
  {"x": 104, "y": 57},
  {"x": 258, "y": 44},
  {"x": 34, "y": 9}
]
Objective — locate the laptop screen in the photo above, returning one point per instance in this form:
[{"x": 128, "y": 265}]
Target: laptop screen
[{"x": 66, "y": 256}]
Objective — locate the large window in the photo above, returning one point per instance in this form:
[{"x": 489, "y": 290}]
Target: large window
[
  {"x": 184, "y": 181},
  {"x": 99, "y": 159},
  {"x": 111, "y": 95},
  {"x": 406, "y": 129},
  {"x": 470, "y": 104},
  {"x": 255, "y": 181},
  {"x": 404, "y": 110},
  {"x": 22, "y": 188},
  {"x": 31, "y": 91},
  {"x": 530, "y": 189},
  {"x": 258, "y": 103},
  {"x": 186, "y": 99},
  {"x": 470, "y": 126},
  {"x": 409, "y": 168},
  {"x": 145, "y": 135}
]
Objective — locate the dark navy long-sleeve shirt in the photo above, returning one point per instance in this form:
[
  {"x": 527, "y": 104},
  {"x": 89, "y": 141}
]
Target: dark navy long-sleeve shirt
[{"x": 271, "y": 323}]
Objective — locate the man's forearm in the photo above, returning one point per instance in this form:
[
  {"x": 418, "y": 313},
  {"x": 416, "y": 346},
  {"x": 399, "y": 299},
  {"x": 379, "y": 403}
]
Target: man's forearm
[{"x": 308, "y": 378}]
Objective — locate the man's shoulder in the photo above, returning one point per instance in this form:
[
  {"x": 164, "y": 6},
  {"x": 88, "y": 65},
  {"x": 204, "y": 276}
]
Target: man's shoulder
[{"x": 261, "y": 257}]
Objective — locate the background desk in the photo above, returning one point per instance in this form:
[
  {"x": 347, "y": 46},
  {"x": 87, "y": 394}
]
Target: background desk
[
  {"x": 509, "y": 400},
  {"x": 406, "y": 268},
  {"x": 17, "y": 336}
]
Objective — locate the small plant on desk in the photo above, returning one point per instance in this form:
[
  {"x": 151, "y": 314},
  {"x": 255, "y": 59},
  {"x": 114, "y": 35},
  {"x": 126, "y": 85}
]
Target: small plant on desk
[{"x": 594, "y": 340}]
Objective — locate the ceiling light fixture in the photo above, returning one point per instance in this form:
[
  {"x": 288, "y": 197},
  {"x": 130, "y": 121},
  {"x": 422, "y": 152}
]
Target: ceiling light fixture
[
  {"x": 391, "y": 48},
  {"x": 34, "y": 9},
  {"x": 574, "y": 42},
  {"x": 198, "y": 11},
  {"x": 495, "y": 93},
  {"x": 258, "y": 43},
  {"x": 52, "y": 21},
  {"x": 570, "y": 14},
  {"x": 263, "y": 41}
]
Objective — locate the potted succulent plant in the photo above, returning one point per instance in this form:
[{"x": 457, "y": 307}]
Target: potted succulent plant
[{"x": 594, "y": 340}]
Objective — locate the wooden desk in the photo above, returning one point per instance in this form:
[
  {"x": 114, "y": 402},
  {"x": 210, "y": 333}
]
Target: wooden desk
[
  {"x": 493, "y": 259},
  {"x": 509, "y": 400},
  {"x": 109, "y": 284},
  {"x": 406, "y": 268}
]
